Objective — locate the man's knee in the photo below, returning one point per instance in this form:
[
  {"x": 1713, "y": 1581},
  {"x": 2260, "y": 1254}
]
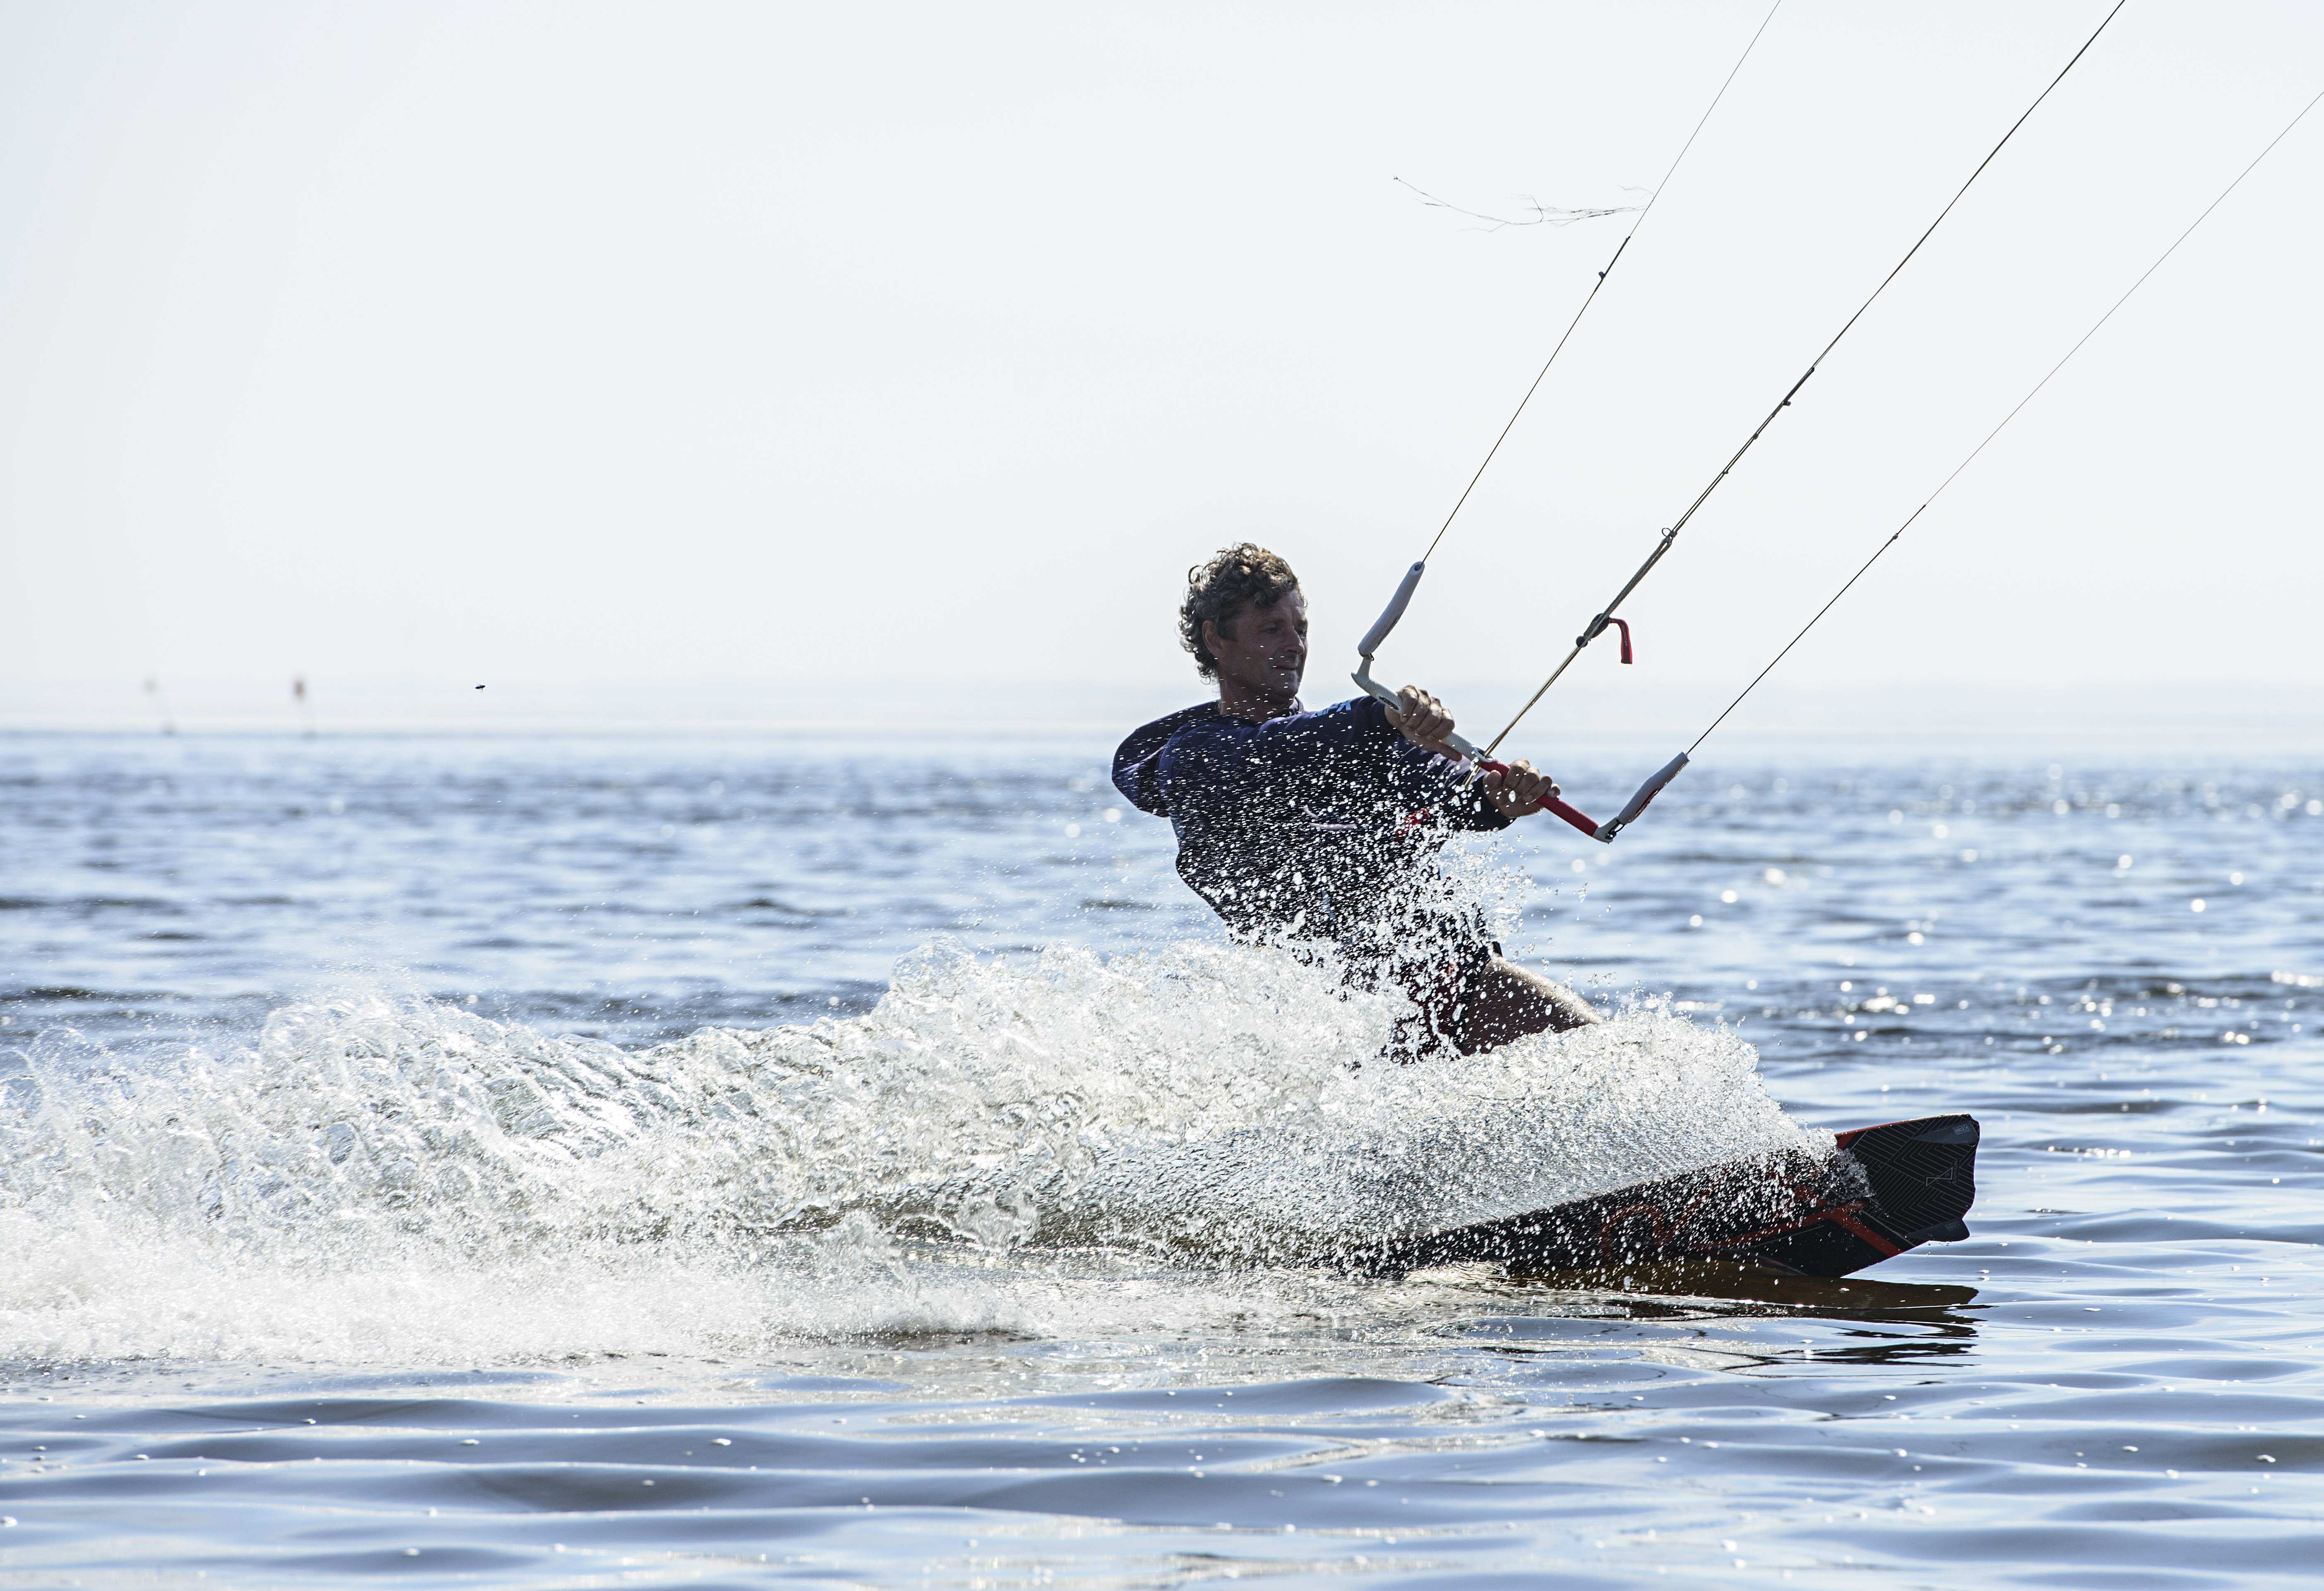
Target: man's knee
[
  {"x": 1507, "y": 1002},
  {"x": 1567, "y": 1009}
]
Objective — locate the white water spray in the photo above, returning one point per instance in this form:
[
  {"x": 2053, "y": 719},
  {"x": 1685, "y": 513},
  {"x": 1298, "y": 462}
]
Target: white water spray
[{"x": 380, "y": 1179}]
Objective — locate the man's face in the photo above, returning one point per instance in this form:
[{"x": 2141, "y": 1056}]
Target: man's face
[{"x": 1268, "y": 652}]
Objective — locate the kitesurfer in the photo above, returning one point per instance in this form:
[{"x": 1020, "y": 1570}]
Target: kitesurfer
[{"x": 1305, "y": 827}]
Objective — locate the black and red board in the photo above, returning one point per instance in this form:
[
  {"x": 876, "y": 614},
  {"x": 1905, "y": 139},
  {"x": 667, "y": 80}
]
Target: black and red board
[{"x": 1881, "y": 1191}]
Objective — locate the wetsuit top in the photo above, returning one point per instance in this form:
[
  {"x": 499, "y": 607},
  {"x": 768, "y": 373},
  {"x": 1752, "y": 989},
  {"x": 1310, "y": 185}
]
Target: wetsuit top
[{"x": 1315, "y": 823}]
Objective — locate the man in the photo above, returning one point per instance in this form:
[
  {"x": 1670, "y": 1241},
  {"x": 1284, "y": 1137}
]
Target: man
[{"x": 1325, "y": 825}]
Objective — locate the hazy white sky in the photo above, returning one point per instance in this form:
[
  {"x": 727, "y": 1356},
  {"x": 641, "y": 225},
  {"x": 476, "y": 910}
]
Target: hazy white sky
[{"x": 569, "y": 343}]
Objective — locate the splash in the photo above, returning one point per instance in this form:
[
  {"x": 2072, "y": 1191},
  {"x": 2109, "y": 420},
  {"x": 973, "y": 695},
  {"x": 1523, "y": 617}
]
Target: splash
[{"x": 394, "y": 1178}]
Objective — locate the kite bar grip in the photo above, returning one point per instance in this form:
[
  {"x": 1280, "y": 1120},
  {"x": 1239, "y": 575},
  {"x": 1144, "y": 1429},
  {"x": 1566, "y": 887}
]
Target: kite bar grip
[
  {"x": 1645, "y": 797},
  {"x": 1394, "y": 611},
  {"x": 1556, "y": 808},
  {"x": 1389, "y": 699}
]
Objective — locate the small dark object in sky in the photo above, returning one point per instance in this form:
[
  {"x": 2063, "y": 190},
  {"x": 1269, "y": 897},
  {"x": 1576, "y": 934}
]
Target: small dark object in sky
[{"x": 480, "y": 687}]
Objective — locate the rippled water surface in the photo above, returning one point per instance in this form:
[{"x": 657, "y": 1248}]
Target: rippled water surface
[{"x": 577, "y": 1163}]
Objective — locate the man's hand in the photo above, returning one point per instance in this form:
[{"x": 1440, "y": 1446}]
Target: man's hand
[
  {"x": 1519, "y": 791},
  {"x": 1424, "y": 720}
]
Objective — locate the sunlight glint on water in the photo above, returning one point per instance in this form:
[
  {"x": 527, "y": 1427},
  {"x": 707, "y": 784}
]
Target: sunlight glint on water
[{"x": 542, "y": 1113}]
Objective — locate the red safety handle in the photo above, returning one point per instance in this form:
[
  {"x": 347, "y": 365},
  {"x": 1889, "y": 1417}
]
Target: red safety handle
[
  {"x": 1597, "y": 627},
  {"x": 1550, "y": 804}
]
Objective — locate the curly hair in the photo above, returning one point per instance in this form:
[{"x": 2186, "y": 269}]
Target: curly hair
[{"x": 1239, "y": 576}]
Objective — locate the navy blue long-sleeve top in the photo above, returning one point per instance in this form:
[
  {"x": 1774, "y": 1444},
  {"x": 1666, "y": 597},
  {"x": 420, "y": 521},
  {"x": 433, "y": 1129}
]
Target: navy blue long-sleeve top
[{"x": 1311, "y": 823}]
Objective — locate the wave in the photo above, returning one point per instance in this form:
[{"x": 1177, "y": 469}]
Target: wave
[{"x": 384, "y": 1176}]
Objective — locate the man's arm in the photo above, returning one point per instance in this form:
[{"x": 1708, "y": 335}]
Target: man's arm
[{"x": 1137, "y": 763}]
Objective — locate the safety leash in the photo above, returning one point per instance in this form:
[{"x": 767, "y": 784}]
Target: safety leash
[
  {"x": 1597, "y": 626},
  {"x": 1654, "y": 784},
  {"x": 1386, "y": 622},
  {"x": 1669, "y": 771},
  {"x": 1606, "y": 617},
  {"x": 2032, "y": 393}
]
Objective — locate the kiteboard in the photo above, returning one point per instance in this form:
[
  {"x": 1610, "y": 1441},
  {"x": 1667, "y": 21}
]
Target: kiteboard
[{"x": 1880, "y": 1191}]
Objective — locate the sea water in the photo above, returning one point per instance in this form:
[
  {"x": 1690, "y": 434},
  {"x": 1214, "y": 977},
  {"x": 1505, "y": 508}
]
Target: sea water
[{"x": 644, "y": 1160}]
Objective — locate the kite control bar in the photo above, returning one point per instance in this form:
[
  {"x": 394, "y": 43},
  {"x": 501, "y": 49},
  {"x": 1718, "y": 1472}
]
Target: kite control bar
[{"x": 1603, "y": 833}]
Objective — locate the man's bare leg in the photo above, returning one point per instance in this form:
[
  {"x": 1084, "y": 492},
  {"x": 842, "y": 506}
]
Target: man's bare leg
[{"x": 1507, "y": 1002}]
